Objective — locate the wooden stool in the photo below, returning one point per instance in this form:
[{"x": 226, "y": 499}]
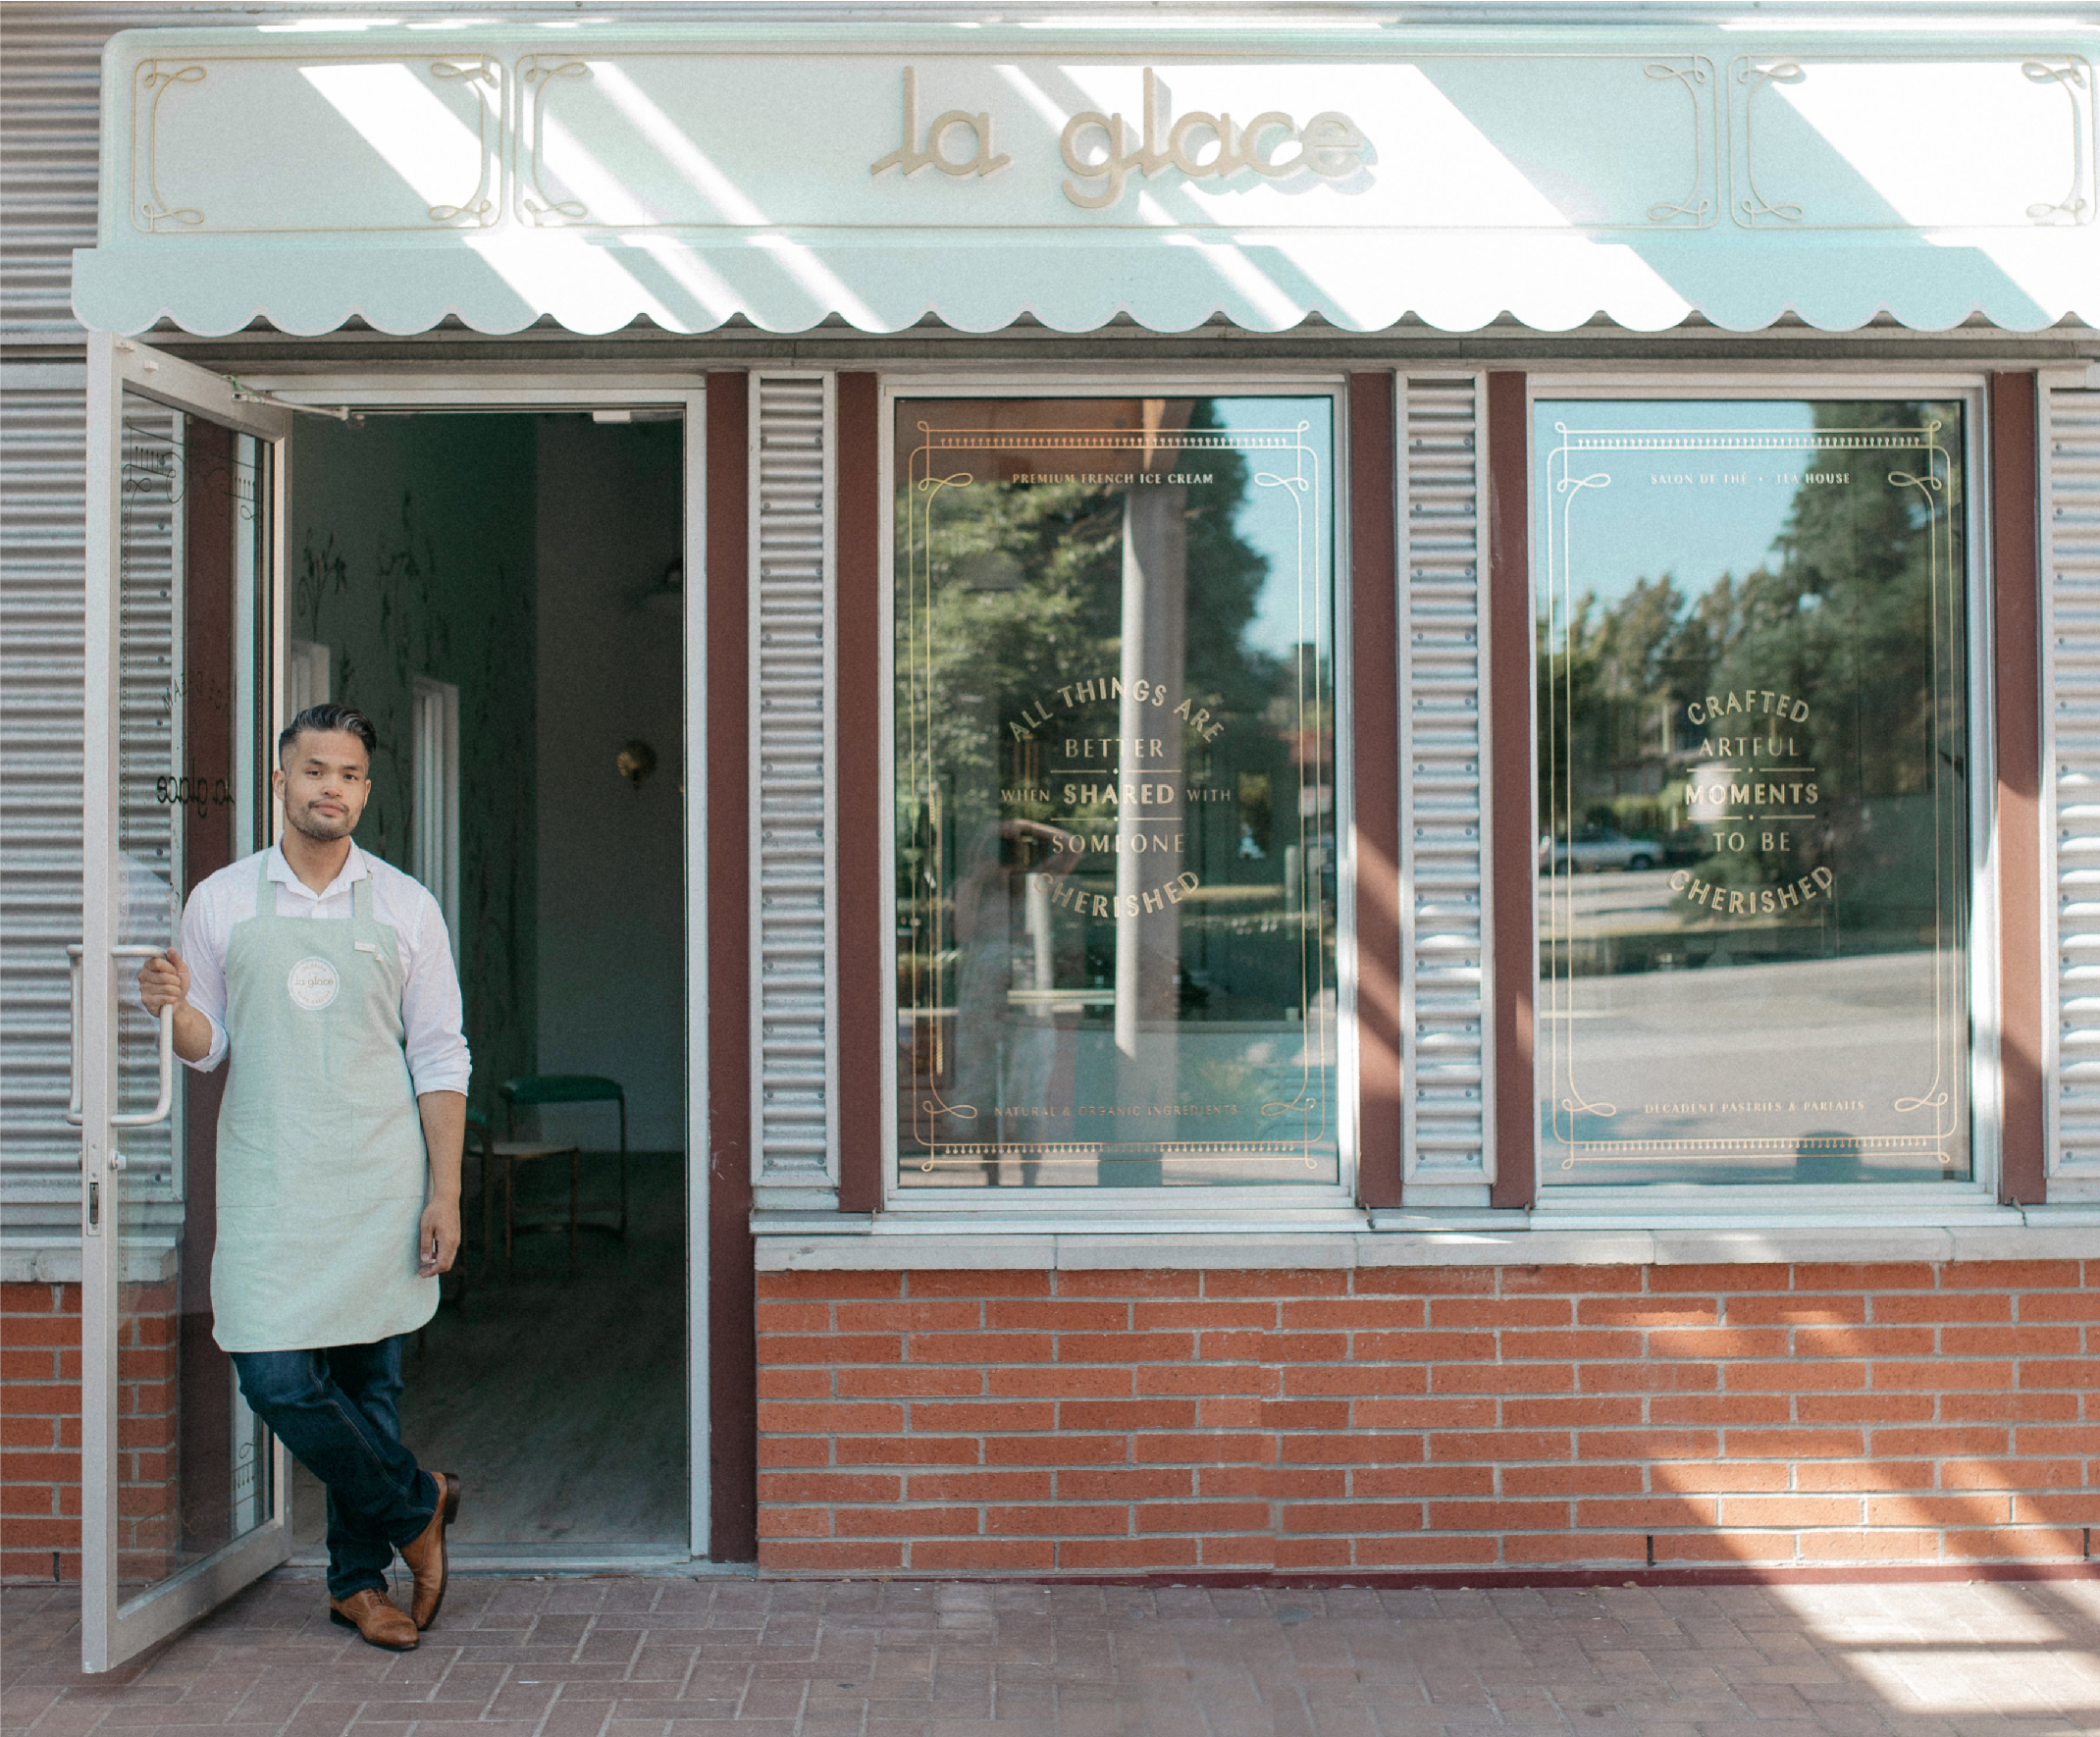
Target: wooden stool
[{"x": 513, "y": 1154}]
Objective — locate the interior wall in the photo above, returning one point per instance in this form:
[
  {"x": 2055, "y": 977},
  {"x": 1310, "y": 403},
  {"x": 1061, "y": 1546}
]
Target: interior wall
[
  {"x": 611, "y": 880},
  {"x": 412, "y": 553}
]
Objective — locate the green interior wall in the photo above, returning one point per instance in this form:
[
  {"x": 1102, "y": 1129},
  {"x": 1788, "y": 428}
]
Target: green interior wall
[{"x": 413, "y": 553}]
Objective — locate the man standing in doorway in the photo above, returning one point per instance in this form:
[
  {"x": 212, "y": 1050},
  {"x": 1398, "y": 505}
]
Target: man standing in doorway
[{"x": 327, "y": 975}]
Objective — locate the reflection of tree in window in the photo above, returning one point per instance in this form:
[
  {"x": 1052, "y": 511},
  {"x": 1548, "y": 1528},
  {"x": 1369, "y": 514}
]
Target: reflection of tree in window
[
  {"x": 1057, "y": 608},
  {"x": 1841, "y": 612},
  {"x": 1026, "y": 583},
  {"x": 1059, "y": 644}
]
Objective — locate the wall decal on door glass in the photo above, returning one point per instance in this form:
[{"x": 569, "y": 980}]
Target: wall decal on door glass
[
  {"x": 1116, "y": 823},
  {"x": 1753, "y": 842}
]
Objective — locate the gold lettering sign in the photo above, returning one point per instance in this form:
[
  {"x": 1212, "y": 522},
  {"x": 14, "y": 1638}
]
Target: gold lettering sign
[{"x": 1101, "y": 156}]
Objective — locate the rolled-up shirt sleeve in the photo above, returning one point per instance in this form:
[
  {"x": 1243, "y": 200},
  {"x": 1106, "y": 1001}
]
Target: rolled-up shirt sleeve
[
  {"x": 432, "y": 1015},
  {"x": 204, "y": 937}
]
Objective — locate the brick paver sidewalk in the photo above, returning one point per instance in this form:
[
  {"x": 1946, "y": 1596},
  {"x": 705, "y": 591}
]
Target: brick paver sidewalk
[{"x": 739, "y": 1657}]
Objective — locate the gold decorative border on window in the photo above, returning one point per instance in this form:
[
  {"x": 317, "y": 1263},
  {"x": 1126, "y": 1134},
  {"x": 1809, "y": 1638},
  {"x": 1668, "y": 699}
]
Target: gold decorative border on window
[{"x": 1294, "y": 468}]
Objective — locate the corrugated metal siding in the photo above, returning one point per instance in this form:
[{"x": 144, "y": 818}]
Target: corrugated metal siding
[
  {"x": 50, "y": 109},
  {"x": 50, "y": 92},
  {"x": 41, "y": 633},
  {"x": 1445, "y": 921},
  {"x": 50, "y": 118},
  {"x": 794, "y": 1136},
  {"x": 2072, "y": 586}
]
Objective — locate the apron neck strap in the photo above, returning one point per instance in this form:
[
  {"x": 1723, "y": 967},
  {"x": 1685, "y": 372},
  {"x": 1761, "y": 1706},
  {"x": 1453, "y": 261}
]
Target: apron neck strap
[{"x": 266, "y": 894}]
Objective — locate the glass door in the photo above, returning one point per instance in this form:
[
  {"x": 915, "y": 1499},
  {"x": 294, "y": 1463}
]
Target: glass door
[{"x": 184, "y": 1495}]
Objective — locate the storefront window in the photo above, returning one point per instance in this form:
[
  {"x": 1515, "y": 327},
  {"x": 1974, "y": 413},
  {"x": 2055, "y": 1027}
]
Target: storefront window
[
  {"x": 1114, "y": 797},
  {"x": 1754, "y": 794}
]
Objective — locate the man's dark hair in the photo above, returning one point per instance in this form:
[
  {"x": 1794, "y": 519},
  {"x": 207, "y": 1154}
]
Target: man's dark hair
[{"x": 329, "y": 716}]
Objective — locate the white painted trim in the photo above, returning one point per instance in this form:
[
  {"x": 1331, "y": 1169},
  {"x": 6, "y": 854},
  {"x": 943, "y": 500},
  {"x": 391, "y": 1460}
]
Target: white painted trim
[
  {"x": 100, "y": 1256},
  {"x": 1558, "y": 377},
  {"x": 1483, "y": 614},
  {"x": 308, "y": 675},
  {"x": 1403, "y": 864},
  {"x": 276, "y": 632},
  {"x": 476, "y": 390},
  {"x": 754, "y": 772},
  {"x": 250, "y": 660},
  {"x": 888, "y": 389},
  {"x": 1348, "y": 1239},
  {"x": 1986, "y": 940},
  {"x": 831, "y": 503},
  {"x": 1348, "y": 1028},
  {"x": 1483, "y": 607},
  {"x": 699, "y": 1340},
  {"x": 1279, "y": 378},
  {"x": 2046, "y": 793},
  {"x": 434, "y": 818},
  {"x": 539, "y": 1562}
]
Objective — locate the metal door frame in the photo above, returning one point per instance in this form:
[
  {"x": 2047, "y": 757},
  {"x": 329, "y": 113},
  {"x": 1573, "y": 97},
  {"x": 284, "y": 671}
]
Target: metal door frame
[
  {"x": 112, "y": 1631},
  {"x": 473, "y": 390},
  {"x": 265, "y": 408}
]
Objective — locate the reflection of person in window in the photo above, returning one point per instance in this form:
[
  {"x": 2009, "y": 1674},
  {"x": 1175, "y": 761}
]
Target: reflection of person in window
[{"x": 1004, "y": 1054}]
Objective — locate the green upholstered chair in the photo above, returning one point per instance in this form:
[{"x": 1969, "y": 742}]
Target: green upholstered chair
[{"x": 530, "y": 1092}]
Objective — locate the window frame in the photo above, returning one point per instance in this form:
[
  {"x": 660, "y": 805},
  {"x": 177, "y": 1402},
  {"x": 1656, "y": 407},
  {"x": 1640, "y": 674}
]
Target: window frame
[
  {"x": 1156, "y": 1206},
  {"x": 1813, "y": 1202}
]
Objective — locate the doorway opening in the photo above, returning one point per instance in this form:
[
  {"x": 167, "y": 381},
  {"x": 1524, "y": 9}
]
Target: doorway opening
[{"x": 504, "y": 596}]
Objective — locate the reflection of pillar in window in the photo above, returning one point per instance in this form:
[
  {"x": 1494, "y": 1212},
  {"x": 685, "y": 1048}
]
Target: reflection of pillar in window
[
  {"x": 1148, "y": 941},
  {"x": 1035, "y": 915}
]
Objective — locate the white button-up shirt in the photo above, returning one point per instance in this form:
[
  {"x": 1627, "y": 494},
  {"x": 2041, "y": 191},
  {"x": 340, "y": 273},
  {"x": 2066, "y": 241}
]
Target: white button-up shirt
[{"x": 431, "y": 1015}]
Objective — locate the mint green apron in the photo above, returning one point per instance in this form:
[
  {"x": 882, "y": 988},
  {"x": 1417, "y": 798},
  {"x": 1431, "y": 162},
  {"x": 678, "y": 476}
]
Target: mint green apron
[{"x": 322, "y": 1168}]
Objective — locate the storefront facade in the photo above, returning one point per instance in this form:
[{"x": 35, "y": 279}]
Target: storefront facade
[{"x": 1384, "y": 862}]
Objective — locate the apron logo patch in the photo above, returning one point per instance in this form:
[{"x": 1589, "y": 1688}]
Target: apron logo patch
[{"x": 313, "y": 985}]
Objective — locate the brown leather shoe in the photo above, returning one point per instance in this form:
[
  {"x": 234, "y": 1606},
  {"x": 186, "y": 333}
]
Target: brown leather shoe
[
  {"x": 426, "y": 1555},
  {"x": 377, "y": 1617}
]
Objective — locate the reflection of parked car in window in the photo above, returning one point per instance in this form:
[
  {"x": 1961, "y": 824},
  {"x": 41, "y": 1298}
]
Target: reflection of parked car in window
[
  {"x": 1688, "y": 844},
  {"x": 1596, "y": 847}
]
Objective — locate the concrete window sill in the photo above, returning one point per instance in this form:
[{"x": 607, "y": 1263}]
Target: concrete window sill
[{"x": 887, "y": 1242}]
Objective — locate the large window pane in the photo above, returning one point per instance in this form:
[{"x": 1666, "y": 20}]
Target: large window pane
[
  {"x": 1115, "y": 873},
  {"x": 1752, "y": 792}
]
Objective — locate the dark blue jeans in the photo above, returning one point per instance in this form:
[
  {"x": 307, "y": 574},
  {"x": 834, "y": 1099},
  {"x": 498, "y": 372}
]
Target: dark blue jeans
[{"x": 337, "y": 1411}]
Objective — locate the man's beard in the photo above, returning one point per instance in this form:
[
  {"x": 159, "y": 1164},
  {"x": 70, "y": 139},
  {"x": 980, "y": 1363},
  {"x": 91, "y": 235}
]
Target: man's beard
[{"x": 311, "y": 825}]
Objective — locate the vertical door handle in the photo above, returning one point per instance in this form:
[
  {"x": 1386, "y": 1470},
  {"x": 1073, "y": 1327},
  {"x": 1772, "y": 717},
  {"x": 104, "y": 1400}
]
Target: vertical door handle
[
  {"x": 74, "y": 1109},
  {"x": 166, "y": 1101},
  {"x": 73, "y": 1105}
]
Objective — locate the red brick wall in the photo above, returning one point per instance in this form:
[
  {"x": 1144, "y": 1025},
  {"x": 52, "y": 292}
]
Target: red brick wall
[
  {"x": 40, "y": 1432},
  {"x": 1479, "y": 1418},
  {"x": 148, "y": 1426}
]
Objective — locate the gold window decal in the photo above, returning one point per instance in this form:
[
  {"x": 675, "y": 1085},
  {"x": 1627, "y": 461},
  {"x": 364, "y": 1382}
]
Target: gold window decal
[
  {"x": 1115, "y": 859},
  {"x": 1752, "y": 792}
]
